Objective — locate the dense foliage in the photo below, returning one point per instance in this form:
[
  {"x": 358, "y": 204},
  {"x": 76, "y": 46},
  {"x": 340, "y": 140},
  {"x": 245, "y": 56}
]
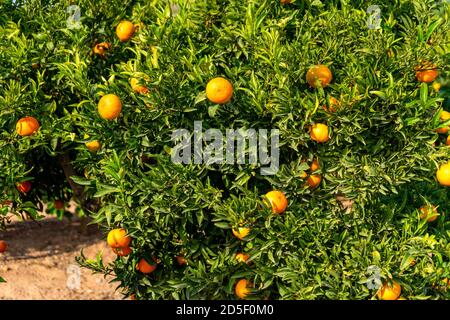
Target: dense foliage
[{"x": 378, "y": 168}]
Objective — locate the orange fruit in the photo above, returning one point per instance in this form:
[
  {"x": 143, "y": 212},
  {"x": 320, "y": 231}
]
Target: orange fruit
[
  {"x": 100, "y": 49},
  {"x": 58, "y": 204},
  {"x": 429, "y": 212},
  {"x": 3, "y": 246},
  {"x": 389, "y": 292},
  {"x": 315, "y": 165},
  {"x": 181, "y": 260},
  {"x": 319, "y": 132},
  {"x": 122, "y": 252},
  {"x": 219, "y": 90},
  {"x": 241, "y": 232},
  {"x": 303, "y": 175},
  {"x": 427, "y": 72},
  {"x": 125, "y": 30},
  {"x": 443, "y": 174},
  {"x": 444, "y": 116},
  {"x": 242, "y": 257},
  {"x": 93, "y": 146},
  {"x": 24, "y": 186},
  {"x": 27, "y": 126},
  {"x": 145, "y": 267},
  {"x": 427, "y": 75},
  {"x": 118, "y": 238},
  {"x": 319, "y": 75},
  {"x": 314, "y": 180},
  {"x": 333, "y": 104},
  {"x": 436, "y": 86},
  {"x": 241, "y": 288},
  {"x": 109, "y": 106},
  {"x": 137, "y": 87},
  {"x": 277, "y": 201}
]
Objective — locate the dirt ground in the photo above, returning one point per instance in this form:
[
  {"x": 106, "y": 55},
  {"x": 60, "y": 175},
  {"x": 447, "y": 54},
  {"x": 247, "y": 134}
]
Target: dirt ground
[{"x": 40, "y": 262}]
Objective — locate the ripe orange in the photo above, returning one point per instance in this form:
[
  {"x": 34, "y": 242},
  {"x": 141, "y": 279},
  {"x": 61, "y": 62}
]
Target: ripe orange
[
  {"x": 427, "y": 72},
  {"x": 24, "y": 186},
  {"x": 242, "y": 257},
  {"x": 277, "y": 201},
  {"x": 100, "y": 49},
  {"x": 181, "y": 260},
  {"x": 27, "y": 126},
  {"x": 444, "y": 116},
  {"x": 219, "y": 90},
  {"x": 319, "y": 132},
  {"x": 122, "y": 252},
  {"x": 334, "y": 103},
  {"x": 58, "y": 204},
  {"x": 388, "y": 292},
  {"x": 3, "y": 246},
  {"x": 93, "y": 146},
  {"x": 443, "y": 174},
  {"x": 145, "y": 267},
  {"x": 303, "y": 175},
  {"x": 436, "y": 86},
  {"x": 314, "y": 180},
  {"x": 315, "y": 165},
  {"x": 241, "y": 232},
  {"x": 429, "y": 212},
  {"x": 241, "y": 288},
  {"x": 125, "y": 30},
  {"x": 137, "y": 87},
  {"x": 109, "y": 106},
  {"x": 118, "y": 238},
  {"x": 319, "y": 75}
]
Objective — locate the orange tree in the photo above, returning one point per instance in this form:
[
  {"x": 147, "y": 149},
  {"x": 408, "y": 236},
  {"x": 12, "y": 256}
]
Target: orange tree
[{"x": 359, "y": 148}]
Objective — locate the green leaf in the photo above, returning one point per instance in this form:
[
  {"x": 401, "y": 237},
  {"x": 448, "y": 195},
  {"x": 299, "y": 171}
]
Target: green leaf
[
  {"x": 424, "y": 92},
  {"x": 81, "y": 181},
  {"x": 104, "y": 189}
]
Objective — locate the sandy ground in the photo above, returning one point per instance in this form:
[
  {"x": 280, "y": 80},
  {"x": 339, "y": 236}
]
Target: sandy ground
[{"x": 40, "y": 262}]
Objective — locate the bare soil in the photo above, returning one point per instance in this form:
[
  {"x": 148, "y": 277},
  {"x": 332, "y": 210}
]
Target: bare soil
[{"x": 40, "y": 262}]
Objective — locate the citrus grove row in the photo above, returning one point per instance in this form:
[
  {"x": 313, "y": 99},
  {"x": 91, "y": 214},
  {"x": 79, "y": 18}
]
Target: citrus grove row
[{"x": 364, "y": 166}]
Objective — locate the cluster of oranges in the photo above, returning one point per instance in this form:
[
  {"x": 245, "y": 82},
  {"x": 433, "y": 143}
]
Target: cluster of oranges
[
  {"x": 278, "y": 203},
  {"x": 119, "y": 241},
  {"x": 444, "y": 116},
  {"x": 110, "y": 106}
]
